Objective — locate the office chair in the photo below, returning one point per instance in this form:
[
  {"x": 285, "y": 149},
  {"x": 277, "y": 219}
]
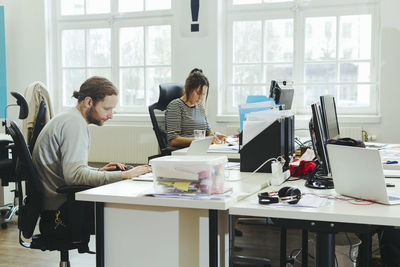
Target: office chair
[
  {"x": 168, "y": 92},
  {"x": 77, "y": 235},
  {"x": 7, "y": 164},
  {"x": 7, "y": 167},
  {"x": 39, "y": 124}
]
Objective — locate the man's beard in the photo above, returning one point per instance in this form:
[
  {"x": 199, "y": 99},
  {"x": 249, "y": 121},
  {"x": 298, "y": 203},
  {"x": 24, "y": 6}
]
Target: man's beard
[{"x": 91, "y": 117}]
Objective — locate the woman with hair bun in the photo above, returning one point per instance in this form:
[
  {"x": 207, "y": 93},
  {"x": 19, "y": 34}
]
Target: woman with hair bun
[{"x": 186, "y": 114}]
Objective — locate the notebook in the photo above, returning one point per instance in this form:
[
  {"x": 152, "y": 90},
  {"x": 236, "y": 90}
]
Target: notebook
[
  {"x": 199, "y": 146},
  {"x": 357, "y": 172}
]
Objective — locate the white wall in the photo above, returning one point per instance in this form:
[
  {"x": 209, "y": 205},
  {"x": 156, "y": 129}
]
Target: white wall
[
  {"x": 25, "y": 45},
  {"x": 26, "y": 55}
]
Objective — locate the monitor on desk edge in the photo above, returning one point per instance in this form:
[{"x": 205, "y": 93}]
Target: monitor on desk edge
[
  {"x": 320, "y": 177},
  {"x": 329, "y": 117}
]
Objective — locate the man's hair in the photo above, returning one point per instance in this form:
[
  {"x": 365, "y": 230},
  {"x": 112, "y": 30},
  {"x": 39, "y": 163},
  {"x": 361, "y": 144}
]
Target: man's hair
[
  {"x": 195, "y": 79},
  {"x": 96, "y": 88}
]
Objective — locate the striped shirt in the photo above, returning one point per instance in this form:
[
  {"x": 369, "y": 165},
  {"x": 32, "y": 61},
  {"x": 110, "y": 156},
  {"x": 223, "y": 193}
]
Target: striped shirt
[{"x": 182, "y": 120}]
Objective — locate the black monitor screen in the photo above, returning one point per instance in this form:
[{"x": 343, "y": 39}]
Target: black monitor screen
[
  {"x": 329, "y": 116},
  {"x": 318, "y": 139}
]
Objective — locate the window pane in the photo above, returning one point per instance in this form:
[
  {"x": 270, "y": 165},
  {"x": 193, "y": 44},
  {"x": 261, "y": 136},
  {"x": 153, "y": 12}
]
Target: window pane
[
  {"x": 72, "y": 7},
  {"x": 245, "y": 2},
  {"x": 354, "y": 95},
  {"x": 247, "y": 42},
  {"x": 248, "y": 74},
  {"x": 320, "y": 73},
  {"x": 130, "y": 5},
  {"x": 73, "y": 48},
  {"x": 131, "y": 50},
  {"x": 312, "y": 93},
  {"x": 72, "y": 80},
  {"x": 355, "y": 37},
  {"x": 355, "y": 72},
  {"x": 279, "y": 40},
  {"x": 240, "y": 93},
  {"x": 103, "y": 72},
  {"x": 154, "y": 77},
  {"x": 132, "y": 87},
  {"x": 159, "y": 45},
  {"x": 97, "y": 6},
  {"x": 99, "y": 49},
  {"x": 158, "y": 4},
  {"x": 320, "y": 40},
  {"x": 280, "y": 72}
]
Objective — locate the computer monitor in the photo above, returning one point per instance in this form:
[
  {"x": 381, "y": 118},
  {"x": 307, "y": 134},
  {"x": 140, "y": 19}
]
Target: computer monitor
[
  {"x": 329, "y": 116},
  {"x": 320, "y": 178}
]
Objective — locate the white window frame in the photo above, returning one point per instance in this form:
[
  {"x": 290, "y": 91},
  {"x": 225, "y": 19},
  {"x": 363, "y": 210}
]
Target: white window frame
[
  {"x": 113, "y": 20},
  {"x": 299, "y": 11}
]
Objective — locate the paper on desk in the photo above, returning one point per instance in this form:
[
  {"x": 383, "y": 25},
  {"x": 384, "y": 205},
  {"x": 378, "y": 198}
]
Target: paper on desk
[
  {"x": 252, "y": 128},
  {"x": 307, "y": 201},
  {"x": 223, "y": 147},
  {"x": 145, "y": 177},
  {"x": 390, "y": 154},
  {"x": 256, "y": 122}
]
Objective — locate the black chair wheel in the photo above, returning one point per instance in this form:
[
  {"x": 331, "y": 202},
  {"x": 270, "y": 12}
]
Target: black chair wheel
[{"x": 4, "y": 226}]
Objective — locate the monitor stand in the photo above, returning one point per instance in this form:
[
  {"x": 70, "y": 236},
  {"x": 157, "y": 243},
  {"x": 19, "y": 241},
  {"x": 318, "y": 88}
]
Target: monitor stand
[{"x": 319, "y": 181}]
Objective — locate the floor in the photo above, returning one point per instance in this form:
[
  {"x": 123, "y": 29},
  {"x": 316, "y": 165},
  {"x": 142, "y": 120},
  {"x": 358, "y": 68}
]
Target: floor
[{"x": 13, "y": 254}]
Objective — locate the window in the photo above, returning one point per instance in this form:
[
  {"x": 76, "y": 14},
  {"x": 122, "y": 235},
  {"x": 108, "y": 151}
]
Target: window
[
  {"x": 126, "y": 41},
  {"x": 323, "y": 46}
]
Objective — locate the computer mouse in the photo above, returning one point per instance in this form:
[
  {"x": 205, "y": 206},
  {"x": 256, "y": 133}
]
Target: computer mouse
[{"x": 128, "y": 167}]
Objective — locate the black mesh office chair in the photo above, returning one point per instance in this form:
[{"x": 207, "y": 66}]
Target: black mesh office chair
[
  {"x": 39, "y": 124},
  {"x": 7, "y": 167},
  {"x": 168, "y": 92},
  {"x": 7, "y": 164},
  {"x": 30, "y": 208}
]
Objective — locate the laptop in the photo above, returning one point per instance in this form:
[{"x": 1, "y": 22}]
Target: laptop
[
  {"x": 357, "y": 172},
  {"x": 199, "y": 146}
]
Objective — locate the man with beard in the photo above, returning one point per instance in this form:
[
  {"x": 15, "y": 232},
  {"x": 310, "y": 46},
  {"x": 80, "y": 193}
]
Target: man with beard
[{"x": 60, "y": 155}]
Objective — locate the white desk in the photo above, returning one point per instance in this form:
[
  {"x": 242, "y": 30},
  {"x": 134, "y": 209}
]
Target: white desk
[
  {"x": 149, "y": 231},
  {"x": 231, "y": 154},
  {"x": 341, "y": 214}
]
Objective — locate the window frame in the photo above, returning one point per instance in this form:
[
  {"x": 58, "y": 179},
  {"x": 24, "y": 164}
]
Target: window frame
[
  {"x": 299, "y": 11},
  {"x": 112, "y": 20}
]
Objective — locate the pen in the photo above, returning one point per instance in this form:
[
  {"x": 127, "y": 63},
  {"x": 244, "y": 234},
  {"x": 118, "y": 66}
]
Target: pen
[{"x": 391, "y": 162}]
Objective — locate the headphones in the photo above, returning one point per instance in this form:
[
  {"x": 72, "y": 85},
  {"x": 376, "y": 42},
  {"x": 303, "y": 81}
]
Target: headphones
[{"x": 287, "y": 194}]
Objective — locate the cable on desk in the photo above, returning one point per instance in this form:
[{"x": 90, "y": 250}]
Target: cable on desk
[{"x": 349, "y": 200}]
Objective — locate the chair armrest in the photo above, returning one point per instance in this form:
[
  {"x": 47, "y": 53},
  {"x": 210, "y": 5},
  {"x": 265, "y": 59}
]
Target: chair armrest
[{"x": 72, "y": 189}]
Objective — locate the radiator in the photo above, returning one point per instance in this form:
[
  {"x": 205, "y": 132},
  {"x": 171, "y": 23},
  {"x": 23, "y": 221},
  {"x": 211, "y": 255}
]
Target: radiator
[
  {"x": 352, "y": 132},
  {"x": 125, "y": 144}
]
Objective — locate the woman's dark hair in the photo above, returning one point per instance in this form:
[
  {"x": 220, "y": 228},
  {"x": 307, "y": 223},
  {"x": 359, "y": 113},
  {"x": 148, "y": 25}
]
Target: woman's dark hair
[
  {"x": 96, "y": 88},
  {"x": 195, "y": 80}
]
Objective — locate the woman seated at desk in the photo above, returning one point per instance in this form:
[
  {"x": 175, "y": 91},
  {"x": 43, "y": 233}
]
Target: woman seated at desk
[{"x": 186, "y": 114}]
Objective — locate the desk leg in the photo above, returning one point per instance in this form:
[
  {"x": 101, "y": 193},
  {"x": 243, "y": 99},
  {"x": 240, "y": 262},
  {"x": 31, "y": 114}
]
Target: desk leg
[
  {"x": 365, "y": 249},
  {"x": 231, "y": 238},
  {"x": 283, "y": 248},
  {"x": 99, "y": 234},
  {"x": 304, "y": 248},
  {"x": 325, "y": 253},
  {"x": 213, "y": 237}
]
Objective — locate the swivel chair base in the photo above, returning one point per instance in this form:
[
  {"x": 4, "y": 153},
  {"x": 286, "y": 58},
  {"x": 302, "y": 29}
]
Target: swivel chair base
[{"x": 7, "y": 212}]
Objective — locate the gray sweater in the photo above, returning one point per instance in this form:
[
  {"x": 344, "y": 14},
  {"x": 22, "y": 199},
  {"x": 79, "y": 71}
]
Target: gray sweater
[{"x": 60, "y": 157}]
